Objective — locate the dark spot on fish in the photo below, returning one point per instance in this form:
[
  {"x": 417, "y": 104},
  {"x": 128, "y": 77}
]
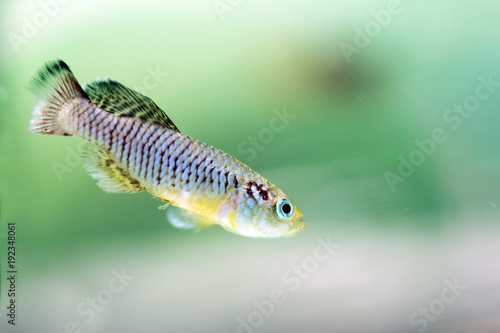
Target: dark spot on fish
[
  {"x": 210, "y": 179},
  {"x": 235, "y": 181},
  {"x": 218, "y": 177},
  {"x": 249, "y": 189},
  {"x": 264, "y": 194},
  {"x": 226, "y": 183}
]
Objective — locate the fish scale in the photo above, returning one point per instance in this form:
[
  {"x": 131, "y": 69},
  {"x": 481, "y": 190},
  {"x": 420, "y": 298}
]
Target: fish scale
[
  {"x": 141, "y": 147},
  {"x": 134, "y": 146}
]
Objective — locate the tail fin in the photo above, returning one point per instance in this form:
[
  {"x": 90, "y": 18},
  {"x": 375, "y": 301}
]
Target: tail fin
[{"x": 55, "y": 86}]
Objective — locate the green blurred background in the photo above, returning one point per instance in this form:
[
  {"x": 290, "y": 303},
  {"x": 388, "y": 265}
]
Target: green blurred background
[{"x": 221, "y": 70}]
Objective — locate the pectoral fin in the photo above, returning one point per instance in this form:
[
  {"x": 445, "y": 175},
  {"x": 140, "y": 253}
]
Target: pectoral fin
[{"x": 181, "y": 218}]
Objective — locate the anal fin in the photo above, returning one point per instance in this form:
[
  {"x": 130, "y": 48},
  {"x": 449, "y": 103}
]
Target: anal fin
[{"x": 111, "y": 177}]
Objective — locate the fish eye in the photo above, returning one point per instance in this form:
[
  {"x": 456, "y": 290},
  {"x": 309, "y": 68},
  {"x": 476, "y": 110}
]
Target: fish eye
[{"x": 284, "y": 208}]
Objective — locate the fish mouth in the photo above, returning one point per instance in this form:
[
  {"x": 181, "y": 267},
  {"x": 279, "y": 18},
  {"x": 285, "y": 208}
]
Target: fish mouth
[{"x": 301, "y": 226}]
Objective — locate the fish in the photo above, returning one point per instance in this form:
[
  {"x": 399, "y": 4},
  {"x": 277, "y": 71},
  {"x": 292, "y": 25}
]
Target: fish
[{"x": 133, "y": 146}]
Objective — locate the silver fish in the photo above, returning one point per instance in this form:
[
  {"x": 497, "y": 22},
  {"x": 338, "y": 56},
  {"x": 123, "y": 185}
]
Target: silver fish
[{"x": 134, "y": 146}]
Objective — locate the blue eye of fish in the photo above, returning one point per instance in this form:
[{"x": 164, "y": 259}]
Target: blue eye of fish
[{"x": 284, "y": 208}]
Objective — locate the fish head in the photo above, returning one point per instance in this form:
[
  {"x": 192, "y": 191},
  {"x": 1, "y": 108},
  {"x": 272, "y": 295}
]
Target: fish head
[{"x": 263, "y": 211}]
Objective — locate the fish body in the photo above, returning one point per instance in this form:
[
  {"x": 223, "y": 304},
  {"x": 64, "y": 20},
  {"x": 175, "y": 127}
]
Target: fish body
[{"x": 134, "y": 146}]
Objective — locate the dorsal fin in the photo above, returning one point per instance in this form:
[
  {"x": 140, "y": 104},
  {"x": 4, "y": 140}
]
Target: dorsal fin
[{"x": 121, "y": 101}]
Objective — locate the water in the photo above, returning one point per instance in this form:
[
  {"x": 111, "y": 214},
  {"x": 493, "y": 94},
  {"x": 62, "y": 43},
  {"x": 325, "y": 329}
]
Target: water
[{"x": 402, "y": 187}]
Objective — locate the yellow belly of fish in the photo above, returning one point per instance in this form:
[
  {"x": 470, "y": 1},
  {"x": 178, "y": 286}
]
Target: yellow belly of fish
[{"x": 207, "y": 207}]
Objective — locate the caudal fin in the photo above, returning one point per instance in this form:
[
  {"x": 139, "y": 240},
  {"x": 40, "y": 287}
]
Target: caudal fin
[{"x": 55, "y": 86}]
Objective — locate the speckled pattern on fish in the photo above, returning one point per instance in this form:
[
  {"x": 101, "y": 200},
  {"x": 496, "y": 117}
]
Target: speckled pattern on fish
[{"x": 134, "y": 146}]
